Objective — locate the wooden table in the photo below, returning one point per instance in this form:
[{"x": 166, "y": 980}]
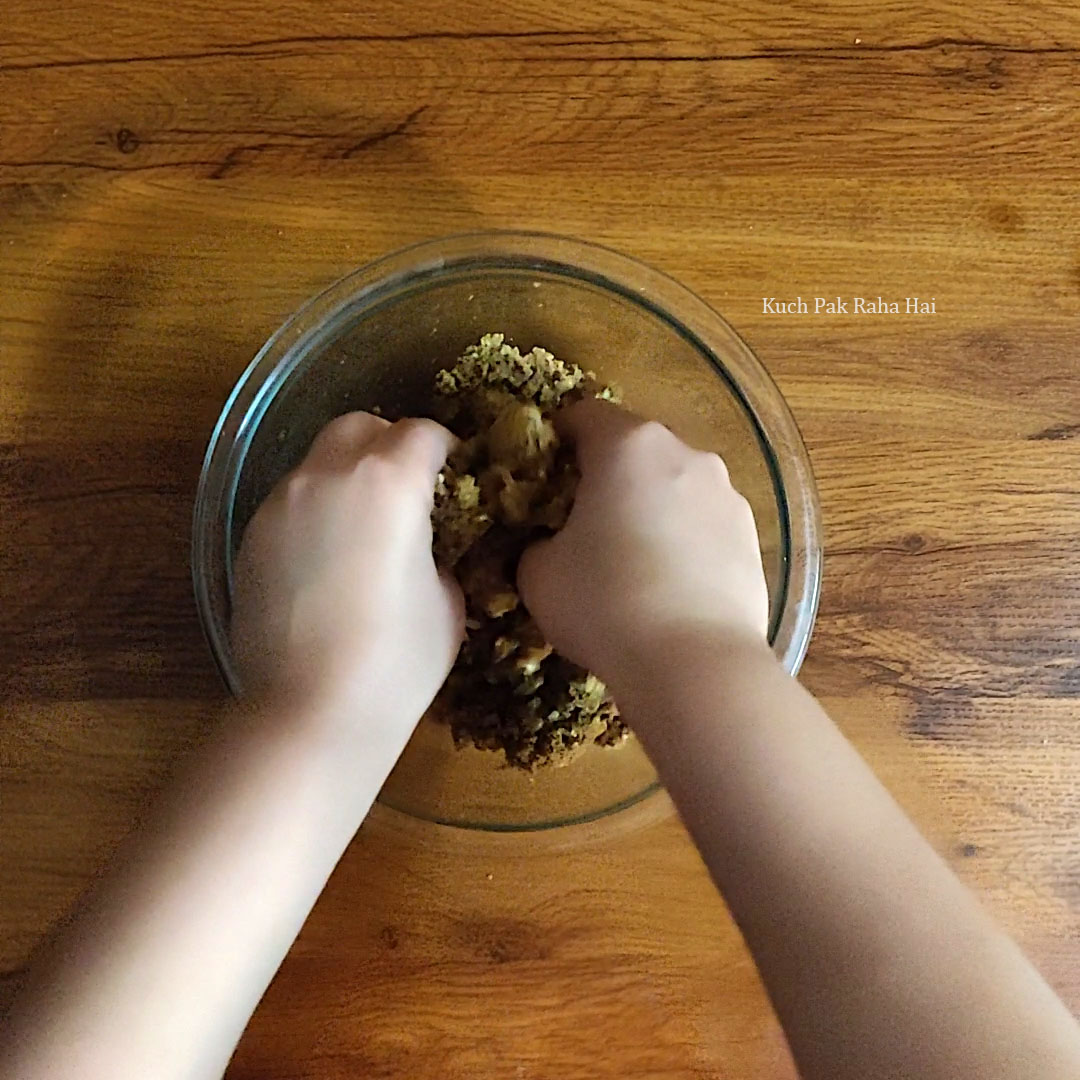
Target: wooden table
[{"x": 175, "y": 179}]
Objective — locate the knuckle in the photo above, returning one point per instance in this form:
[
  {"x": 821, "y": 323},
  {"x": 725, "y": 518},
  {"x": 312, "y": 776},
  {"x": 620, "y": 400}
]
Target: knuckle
[
  {"x": 295, "y": 486},
  {"x": 345, "y": 433},
  {"x": 648, "y": 438},
  {"x": 412, "y": 427},
  {"x": 652, "y": 432},
  {"x": 715, "y": 465},
  {"x": 420, "y": 434},
  {"x": 342, "y": 428}
]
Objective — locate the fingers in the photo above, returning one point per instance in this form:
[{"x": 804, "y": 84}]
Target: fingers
[
  {"x": 343, "y": 440},
  {"x": 585, "y": 419},
  {"x": 421, "y": 446},
  {"x": 596, "y": 427}
]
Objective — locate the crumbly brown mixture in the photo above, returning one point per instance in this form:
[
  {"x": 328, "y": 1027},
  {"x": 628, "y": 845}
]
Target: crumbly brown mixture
[{"x": 510, "y": 482}]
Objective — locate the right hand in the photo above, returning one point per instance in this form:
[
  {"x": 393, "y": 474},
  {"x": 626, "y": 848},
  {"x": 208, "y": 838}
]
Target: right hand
[{"x": 658, "y": 545}]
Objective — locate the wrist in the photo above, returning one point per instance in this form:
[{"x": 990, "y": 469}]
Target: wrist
[
  {"x": 686, "y": 663},
  {"x": 355, "y": 727},
  {"x": 347, "y": 686},
  {"x": 662, "y": 651}
]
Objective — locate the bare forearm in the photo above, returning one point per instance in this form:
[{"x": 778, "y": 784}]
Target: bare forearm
[
  {"x": 342, "y": 620},
  {"x": 879, "y": 962},
  {"x": 160, "y": 971}
]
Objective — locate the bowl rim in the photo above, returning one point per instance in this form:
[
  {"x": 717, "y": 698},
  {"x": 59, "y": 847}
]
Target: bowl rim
[{"x": 681, "y": 309}]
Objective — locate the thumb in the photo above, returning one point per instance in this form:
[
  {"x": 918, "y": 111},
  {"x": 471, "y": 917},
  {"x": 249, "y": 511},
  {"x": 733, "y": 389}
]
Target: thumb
[{"x": 534, "y": 575}]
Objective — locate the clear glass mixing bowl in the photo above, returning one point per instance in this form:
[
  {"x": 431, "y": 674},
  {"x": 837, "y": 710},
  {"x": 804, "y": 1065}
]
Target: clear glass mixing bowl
[{"x": 377, "y": 337}]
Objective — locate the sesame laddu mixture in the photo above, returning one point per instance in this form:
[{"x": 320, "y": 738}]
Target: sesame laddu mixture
[{"x": 510, "y": 482}]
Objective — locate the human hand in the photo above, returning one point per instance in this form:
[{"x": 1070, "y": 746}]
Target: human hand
[
  {"x": 658, "y": 544},
  {"x": 338, "y": 602}
]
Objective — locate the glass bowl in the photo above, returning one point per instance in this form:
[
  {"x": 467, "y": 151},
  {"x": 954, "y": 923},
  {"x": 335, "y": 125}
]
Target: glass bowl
[{"x": 377, "y": 337}]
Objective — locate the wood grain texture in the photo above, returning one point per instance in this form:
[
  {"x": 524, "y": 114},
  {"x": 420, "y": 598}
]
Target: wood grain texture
[{"x": 175, "y": 180}]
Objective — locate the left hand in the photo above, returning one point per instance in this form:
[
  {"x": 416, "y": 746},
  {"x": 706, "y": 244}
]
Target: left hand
[{"x": 338, "y": 602}]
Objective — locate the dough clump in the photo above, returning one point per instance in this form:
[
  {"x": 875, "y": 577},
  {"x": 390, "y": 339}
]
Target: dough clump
[{"x": 510, "y": 482}]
